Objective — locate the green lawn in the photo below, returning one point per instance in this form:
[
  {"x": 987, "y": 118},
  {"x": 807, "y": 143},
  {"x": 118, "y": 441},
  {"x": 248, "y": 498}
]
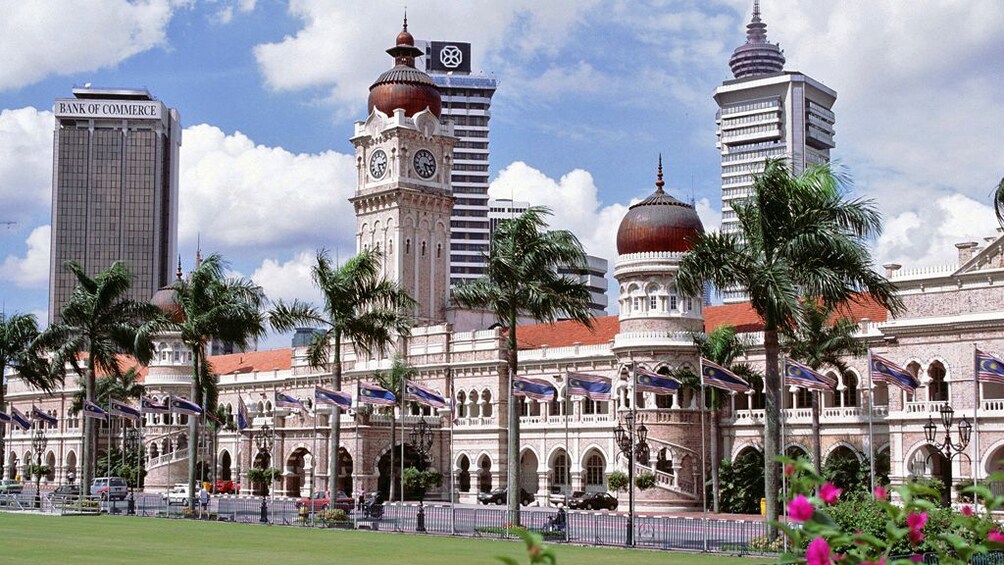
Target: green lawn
[{"x": 114, "y": 539}]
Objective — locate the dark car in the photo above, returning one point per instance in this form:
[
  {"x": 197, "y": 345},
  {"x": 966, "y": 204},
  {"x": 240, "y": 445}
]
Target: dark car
[
  {"x": 65, "y": 493},
  {"x": 593, "y": 501},
  {"x": 500, "y": 496}
]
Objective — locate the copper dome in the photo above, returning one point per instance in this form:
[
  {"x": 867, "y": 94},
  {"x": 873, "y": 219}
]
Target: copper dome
[
  {"x": 404, "y": 86},
  {"x": 659, "y": 223},
  {"x": 166, "y": 299}
]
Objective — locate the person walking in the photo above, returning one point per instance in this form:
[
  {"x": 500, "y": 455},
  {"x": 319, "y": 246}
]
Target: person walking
[{"x": 204, "y": 502}]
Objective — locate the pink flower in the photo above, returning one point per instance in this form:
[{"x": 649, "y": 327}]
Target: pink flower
[
  {"x": 818, "y": 553},
  {"x": 800, "y": 509},
  {"x": 880, "y": 493},
  {"x": 828, "y": 493},
  {"x": 967, "y": 510},
  {"x": 789, "y": 469},
  {"x": 995, "y": 536},
  {"x": 916, "y": 524},
  {"x": 917, "y": 558}
]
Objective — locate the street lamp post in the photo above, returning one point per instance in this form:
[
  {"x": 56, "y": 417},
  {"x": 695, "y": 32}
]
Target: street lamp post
[
  {"x": 946, "y": 447},
  {"x": 421, "y": 440},
  {"x": 132, "y": 442},
  {"x": 38, "y": 443},
  {"x": 632, "y": 450},
  {"x": 263, "y": 441}
]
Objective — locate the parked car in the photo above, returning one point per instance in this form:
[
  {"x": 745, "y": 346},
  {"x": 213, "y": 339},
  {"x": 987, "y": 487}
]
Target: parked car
[
  {"x": 320, "y": 501},
  {"x": 109, "y": 488},
  {"x": 593, "y": 501},
  {"x": 178, "y": 494},
  {"x": 500, "y": 496},
  {"x": 226, "y": 487},
  {"x": 10, "y": 486},
  {"x": 65, "y": 493},
  {"x": 558, "y": 497}
]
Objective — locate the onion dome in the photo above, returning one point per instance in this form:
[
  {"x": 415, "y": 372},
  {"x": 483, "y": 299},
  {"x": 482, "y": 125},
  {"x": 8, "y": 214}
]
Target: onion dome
[
  {"x": 166, "y": 299},
  {"x": 756, "y": 57},
  {"x": 660, "y": 223},
  {"x": 404, "y": 86}
]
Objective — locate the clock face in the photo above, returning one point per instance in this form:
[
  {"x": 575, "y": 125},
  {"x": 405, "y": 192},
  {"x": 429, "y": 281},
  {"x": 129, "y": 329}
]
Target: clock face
[
  {"x": 378, "y": 163},
  {"x": 425, "y": 163}
]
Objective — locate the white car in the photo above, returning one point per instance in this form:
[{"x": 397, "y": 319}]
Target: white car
[{"x": 178, "y": 494}]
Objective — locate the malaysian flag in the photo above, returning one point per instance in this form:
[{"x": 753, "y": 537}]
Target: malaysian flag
[
  {"x": 533, "y": 388},
  {"x": 885, "y": 371},
  {"x": 989, "y": 369},
  {"x": 283, "y": 400},
  {"x": 4, "y": 417},
  {"x": 116, "y": 408},
  {"x": 373, "y": 394},
  {"x": 19, "y": 419},
  {"x": 332, "y": 397},
  {"x": 243, "y": 421},
  {"x": 719, "y": 377},
  {"x": 182, "y": 405},
  {"x": 648, "y": 381},
  {"x": 148, "y": 405},
  {"x": 796, "y": 374},
  {"x": 92, "y": 410},
  {"x": 423, "y": 395},
  {"x": 39, "y": 415},
  {"x": 593, "y": 387}
]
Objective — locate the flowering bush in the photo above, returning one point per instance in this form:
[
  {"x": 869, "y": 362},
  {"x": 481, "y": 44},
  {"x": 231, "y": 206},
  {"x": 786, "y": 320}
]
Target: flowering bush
[{"x": 874, "y": 531}]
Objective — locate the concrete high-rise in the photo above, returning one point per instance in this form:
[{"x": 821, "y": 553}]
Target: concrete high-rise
[
  {"x": 767, "y": 112},
  {"x": 114, "y": 189},
  {"x": 467, "y": 102}
]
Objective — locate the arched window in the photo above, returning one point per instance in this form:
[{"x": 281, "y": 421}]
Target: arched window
[
  {"x": 937, "y": 388},
  {"x": 914, "y": 369},
  {"x": 594, "y": 470},
  {"x": 803, "y": 398},
  {"x": 407, "y": 247},
  {"x": 461, "y": 405},
  {"x": 423, "y": 249},
  {"x": 850, "y": 394},
  {"x": 560, "y": 476},
  {"x": 486, "y": 403}
]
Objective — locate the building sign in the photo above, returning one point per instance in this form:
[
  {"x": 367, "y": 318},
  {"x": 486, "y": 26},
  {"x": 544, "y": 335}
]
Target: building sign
[
  {"x": 118, "y": 109},
  {"x": 447, "y": 57},
  {"x": 461, "y": 81}
]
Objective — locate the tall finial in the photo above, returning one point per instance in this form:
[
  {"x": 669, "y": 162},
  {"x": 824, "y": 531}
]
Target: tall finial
[
  {"x": 179, "y": 266},
  {"x": 659, "y": 183},
  {"x": 198, "y": 250},
  {"x": 756, "y": 10},
  {"x": 405, "y": 19}
]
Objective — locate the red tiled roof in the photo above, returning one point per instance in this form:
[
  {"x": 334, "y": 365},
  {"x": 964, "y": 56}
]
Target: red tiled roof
[
  {"x": 568, "y": 332},
  {"x": 271, "y": 360}
]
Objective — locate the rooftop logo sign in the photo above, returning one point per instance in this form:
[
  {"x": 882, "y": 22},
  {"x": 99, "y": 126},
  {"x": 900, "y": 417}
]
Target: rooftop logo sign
[{"x": 447, "y": 57}]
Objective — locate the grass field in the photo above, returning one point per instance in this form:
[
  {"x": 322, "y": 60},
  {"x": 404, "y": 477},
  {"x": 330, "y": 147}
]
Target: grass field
[{"x": 114, "y": 539}]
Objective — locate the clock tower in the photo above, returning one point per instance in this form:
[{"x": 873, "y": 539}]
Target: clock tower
[{"x": 403, "y": 198}]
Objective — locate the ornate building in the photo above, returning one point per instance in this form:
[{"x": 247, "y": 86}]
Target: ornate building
[{"x": 403, "y": 207}]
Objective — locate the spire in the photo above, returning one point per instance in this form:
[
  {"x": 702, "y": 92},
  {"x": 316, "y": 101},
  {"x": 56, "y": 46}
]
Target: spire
[
  {"x": 659, "y": 183},
  {"x": 405, "y": 28},
  {"x": 404, "y": 50},
  {"x": 198, "y": 250},
  {"x": 757, "y": 56},
  {"x": 179, "y": 266}
]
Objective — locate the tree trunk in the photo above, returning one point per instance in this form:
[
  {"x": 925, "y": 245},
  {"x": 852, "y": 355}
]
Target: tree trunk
[
  {"x": 714, "y": 453},
  {"x": 193, "y": 430},
  {"x": 772, "y": 431},
  {"x": 3, "y": 429},
  {"x": 513, "y": 482},
  {"x": 817, "y": 458},
  {"x": 87, "y": 460},
  {"x": 336, "y": 418}
]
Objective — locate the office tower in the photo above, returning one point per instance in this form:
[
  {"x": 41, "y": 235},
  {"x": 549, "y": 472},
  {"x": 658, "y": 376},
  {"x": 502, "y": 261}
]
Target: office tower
[
  {"x": 467, "y": 101},
  {"x": 114, "y": 189},
  {"x": 596, "y": 267},
  {"x": 767, "y": 112}
]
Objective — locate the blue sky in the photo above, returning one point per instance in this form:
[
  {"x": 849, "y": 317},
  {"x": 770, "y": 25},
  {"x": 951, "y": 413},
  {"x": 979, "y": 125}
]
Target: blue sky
[{"x": 590, "y": 93}]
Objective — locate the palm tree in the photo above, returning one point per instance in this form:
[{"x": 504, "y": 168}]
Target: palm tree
[
  {"x": 394, "y": 382},
  {"x": 521, "y": 279},
  {"x": 998, "y": 197},
  {"x": 359, "y": 306},
  {"x": 722, "y": 346},
  {"x": 818, "y": 342},
  {"x": 98, "y": 324},
  {"x": 123, "y": 387},
  {"x": 19, "y": 351},
  {"x": 213, "y": 306},
  {"x": 800, "y": 237}
]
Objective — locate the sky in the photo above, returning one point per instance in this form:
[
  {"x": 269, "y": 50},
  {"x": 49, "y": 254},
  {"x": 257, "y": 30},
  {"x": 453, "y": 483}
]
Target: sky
[{"x": 590, "y": 93}]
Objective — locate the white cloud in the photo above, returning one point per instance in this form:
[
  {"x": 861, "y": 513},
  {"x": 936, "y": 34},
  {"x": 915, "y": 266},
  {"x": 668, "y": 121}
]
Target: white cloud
[
  {"x": 243, "y": 197},
  {"x": 47, "y": 37},
  {"x": 289, "y": 280},
  {"x": 710, "y": 216},
  {"x": 32, "y": 270},
  {"x": 26, "y": 166}
]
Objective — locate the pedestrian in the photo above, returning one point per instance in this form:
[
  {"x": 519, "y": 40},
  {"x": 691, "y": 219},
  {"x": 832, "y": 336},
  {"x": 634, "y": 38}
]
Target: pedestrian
[
  {"x": 362, "y": 499},
  {"x": 204, "y": 501}
]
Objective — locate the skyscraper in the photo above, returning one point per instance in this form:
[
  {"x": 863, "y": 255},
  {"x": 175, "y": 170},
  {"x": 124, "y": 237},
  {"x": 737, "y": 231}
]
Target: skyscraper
[
  {"x": 114, "y": 189},
  {"x": 767, "y": 112},
  {"x": 467, "y": 103}
]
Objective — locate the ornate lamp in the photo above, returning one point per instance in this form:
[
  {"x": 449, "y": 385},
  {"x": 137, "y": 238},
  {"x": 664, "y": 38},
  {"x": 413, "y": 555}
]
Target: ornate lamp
[
  {"x": 946, "y": 415},
  {"x": 930, "y": 430}
]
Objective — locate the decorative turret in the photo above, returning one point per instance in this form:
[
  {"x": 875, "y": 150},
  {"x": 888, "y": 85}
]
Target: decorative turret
[
  {"x": 658, "y": 223},
  {"x": 404, "y": 86},
  {"x": 756, "y": 57}
]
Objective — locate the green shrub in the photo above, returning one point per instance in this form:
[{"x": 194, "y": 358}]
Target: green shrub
[
  {"x": 741, "y": 484},
  {"x": 332, "y": 516},
  {"x": 617, "y": 481},
  {"x": 644, "y": 481}
]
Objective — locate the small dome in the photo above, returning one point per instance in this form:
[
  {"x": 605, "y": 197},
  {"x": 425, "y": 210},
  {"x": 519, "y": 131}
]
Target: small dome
[
  {"x": 404, "y": 86},
  {"x": 660, "y": 223},
  {"x": 166, "y": 299}
]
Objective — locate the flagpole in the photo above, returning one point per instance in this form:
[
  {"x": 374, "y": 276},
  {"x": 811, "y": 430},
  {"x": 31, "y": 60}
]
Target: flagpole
[
  {"x": 568, "y": 457},
  {"x": 785, "y": 392},
  {"x": 401, "y": 463},
  {"x": 313, "y": 461},
  {"x": 871, "y": 424},
  {"x": 975, "y": 464},
  {"x": 704, "y": 463}
]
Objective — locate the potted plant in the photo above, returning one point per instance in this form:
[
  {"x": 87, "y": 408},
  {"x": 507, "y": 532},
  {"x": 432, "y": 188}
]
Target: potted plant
[{"x": 419, "y": 481}]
